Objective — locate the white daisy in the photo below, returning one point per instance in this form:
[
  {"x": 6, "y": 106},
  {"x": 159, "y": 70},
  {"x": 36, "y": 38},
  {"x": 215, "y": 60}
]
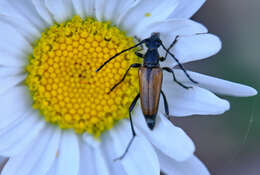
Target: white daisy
[{"x": 53, "y": 48}]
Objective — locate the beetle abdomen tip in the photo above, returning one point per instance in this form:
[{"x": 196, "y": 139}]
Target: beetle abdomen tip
[{"x": 150, "y": 120}]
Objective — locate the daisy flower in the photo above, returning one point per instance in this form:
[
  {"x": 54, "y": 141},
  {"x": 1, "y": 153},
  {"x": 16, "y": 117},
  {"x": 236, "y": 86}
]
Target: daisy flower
[{"x": 56, "y": 116}]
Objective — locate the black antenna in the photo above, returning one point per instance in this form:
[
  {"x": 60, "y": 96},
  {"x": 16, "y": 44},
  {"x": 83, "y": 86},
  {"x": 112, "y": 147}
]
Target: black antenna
[
  {"x": 119, "y": 54},
  {"x": 172, "y": 44}
]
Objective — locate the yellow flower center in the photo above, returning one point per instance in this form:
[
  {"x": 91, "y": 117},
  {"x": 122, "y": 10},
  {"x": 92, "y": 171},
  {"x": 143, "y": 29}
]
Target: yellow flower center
[{"x": 63, "y": 81}]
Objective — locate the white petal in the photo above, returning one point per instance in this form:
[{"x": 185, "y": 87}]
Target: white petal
[
  {"x": 217, "y": 85},
  {"x": 102, "y": 168},
  {"x": 110, "y": 9},
  {"x": 10, "y": 81},
  {"x": 158, "y": 12},
  {"x": 100, "y": 162},
  {"x": 60, "y": 9},
  {"x": 14, "y": 103},
  {"x": 87, "y": 159},
  {"x": 141, "y": 157},
  {"x": 12, "y": 122},
  {"x": 185, "y": 102},
  {"x": 122, "y": 8},
  {"x": 22, "y": 9},
  {"x": 14, "y": 141},
  {"x": 119, "y": 10},
  {"x": 188, "y": 167},
  {"x": 99, "y": 9},
  {"x": 48, "y": 156},
  {"x": 89, "y": 7},
  {"x": 114, "y": 166},
  {"x": 17, "y": 164},
  {"x": 10, "y": 71},
  {"x": 170, "y": 28},
  {"x": 43, "y": 11},
  {"x": 52, "y": 171},
  {"x": 186, "y": 8},
  {"x": 191, "y": 48},
  {"x": 78, "y": 7},
  {"x": 14, "y": 48},
  {"x": 10, "y": 59},
  {"x": 166, "y": 137},
  {"x": 25, "y": 28},
  {"x": 68, "y": 156}
]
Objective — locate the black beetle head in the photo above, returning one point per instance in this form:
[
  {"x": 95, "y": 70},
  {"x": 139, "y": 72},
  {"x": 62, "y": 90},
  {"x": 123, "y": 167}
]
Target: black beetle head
[
  {"x": 154, "y": 41},
  {"x": 155, "y": 36}
]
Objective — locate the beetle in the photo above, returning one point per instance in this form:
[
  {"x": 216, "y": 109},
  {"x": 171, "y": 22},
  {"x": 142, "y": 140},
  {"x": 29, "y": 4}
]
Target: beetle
[{"x": 150, "y": 80}]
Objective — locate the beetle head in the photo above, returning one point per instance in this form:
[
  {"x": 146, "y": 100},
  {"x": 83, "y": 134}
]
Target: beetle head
[
  {"x": 155, "y": 36},
  {"x": 154, "y": 41}
]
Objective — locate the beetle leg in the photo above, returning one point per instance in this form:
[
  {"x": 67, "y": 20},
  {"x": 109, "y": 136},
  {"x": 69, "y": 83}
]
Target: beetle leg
[
  {"x": 179, "y": 64},
  {"x": 174, "y": 77},
  {"x": 141, "y": 48},
  {"x": 139, "y": 54},
  {"x": 133, "y": 65},
  {"x": 162, "y": 59},
  {"x": 139, "y": 40},
  {"x": 166, "y": 107},
  {"x": 132, "y": 128}
]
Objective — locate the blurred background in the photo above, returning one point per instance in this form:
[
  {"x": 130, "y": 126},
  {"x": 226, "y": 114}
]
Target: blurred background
[{"x": 229, "y": 144}]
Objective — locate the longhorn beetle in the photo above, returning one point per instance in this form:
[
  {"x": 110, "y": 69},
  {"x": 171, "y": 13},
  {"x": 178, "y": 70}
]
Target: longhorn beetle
[{"x": 150, "y": 80}]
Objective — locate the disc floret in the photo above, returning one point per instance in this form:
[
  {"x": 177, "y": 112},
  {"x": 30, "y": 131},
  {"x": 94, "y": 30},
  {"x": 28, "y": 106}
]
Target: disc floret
[{"x": 62, "y": 78}]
